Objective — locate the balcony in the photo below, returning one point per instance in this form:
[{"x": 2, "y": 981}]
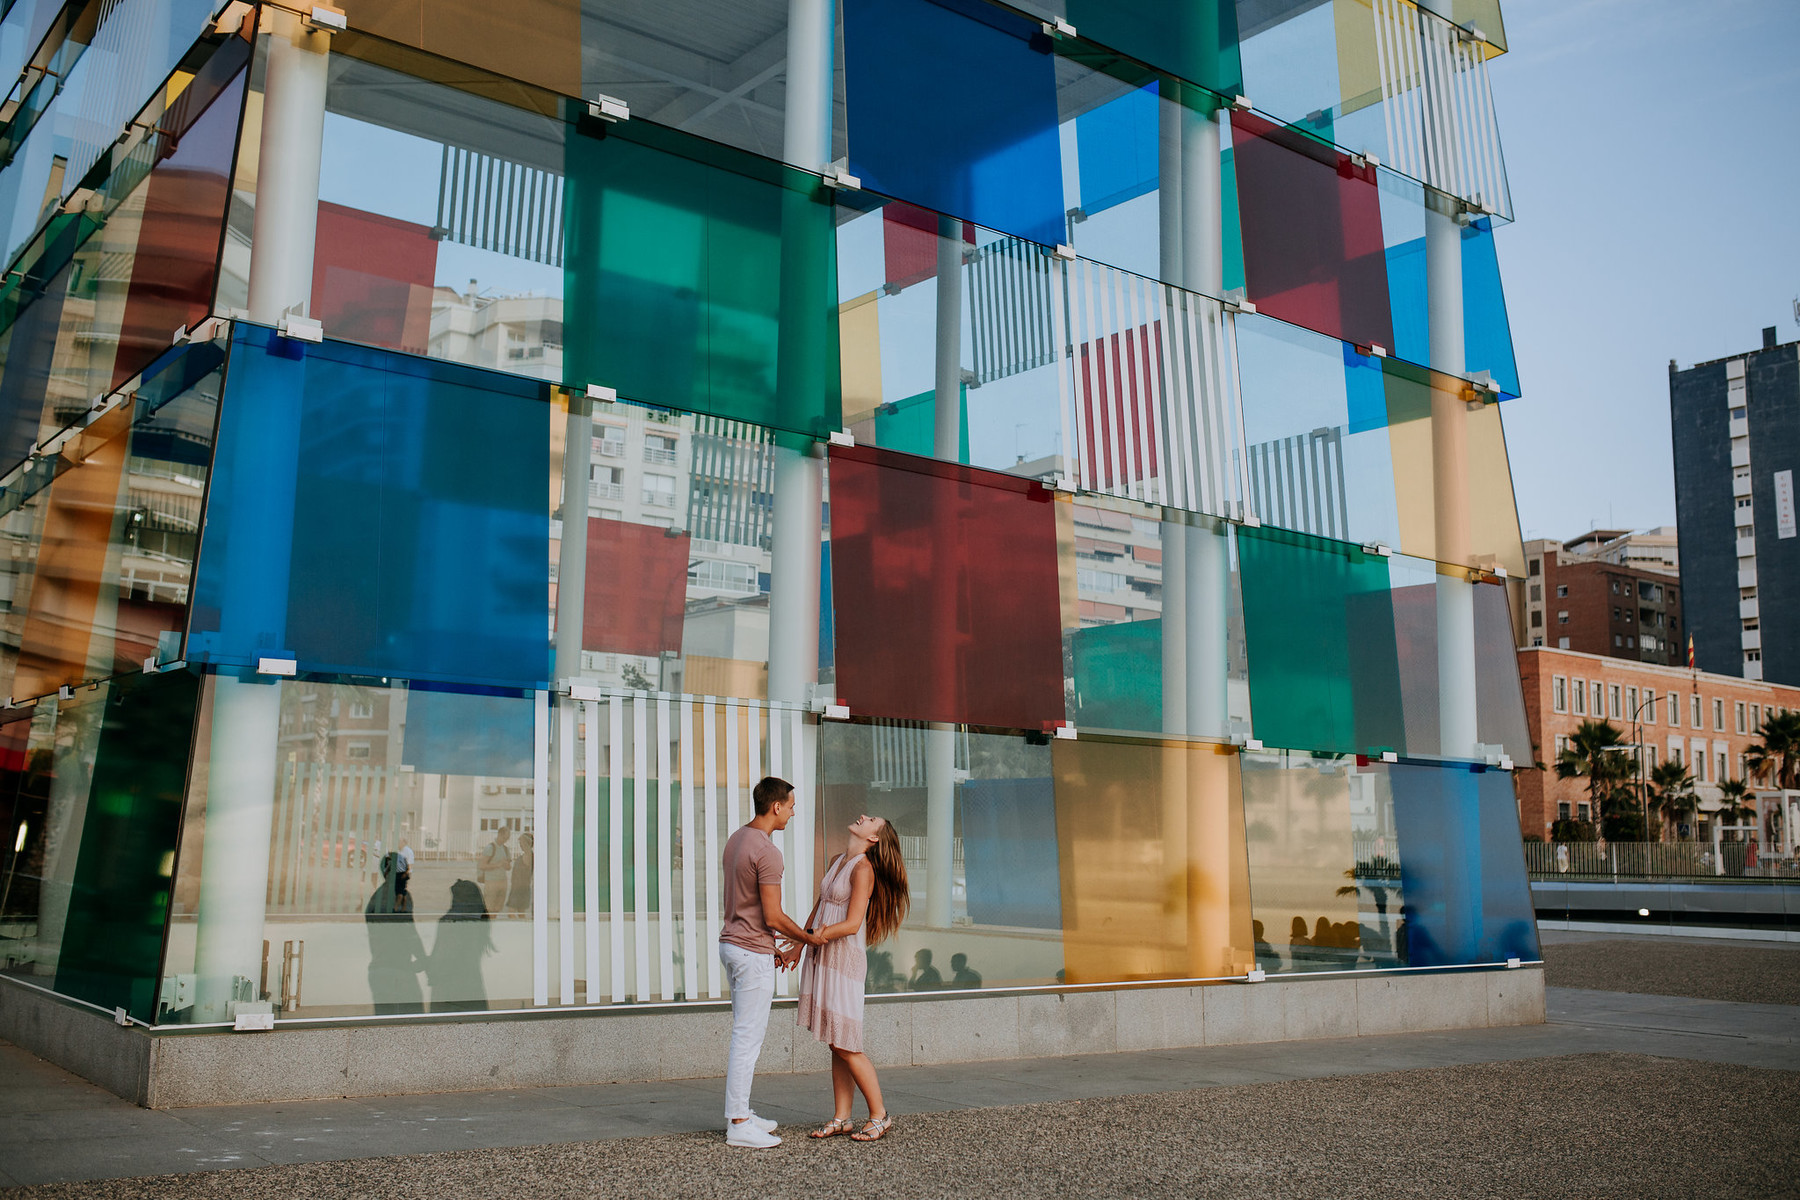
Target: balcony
[
  {"x": 1746, "y": 547},
  {"x": 611, "y": 447},
  {"x": 1748, "y": 609},
  {"x": 660, "y": 499},
  {"x": 1747, "y": 576},
  {"x": 1740, "y": 427},
  {"x": 655, "y": 454},
  {"x": 1740, "y": 452},
  {"x": 606, "y": 491},
  {"x": 1752, "y": 639}
]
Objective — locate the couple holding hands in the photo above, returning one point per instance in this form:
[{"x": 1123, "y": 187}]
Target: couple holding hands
[{"x": 862, "y": 900}]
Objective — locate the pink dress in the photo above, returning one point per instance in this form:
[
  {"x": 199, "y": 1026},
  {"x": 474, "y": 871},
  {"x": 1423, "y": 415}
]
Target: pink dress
[{"x": 831, "y": 976}]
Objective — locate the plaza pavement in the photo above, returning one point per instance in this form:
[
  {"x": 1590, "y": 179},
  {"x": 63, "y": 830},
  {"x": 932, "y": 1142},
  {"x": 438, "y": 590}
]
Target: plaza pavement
[{"x": 1622, "y": 1093}]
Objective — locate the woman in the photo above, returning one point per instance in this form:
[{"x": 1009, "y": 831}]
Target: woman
[{"x": 862, "y": 900}]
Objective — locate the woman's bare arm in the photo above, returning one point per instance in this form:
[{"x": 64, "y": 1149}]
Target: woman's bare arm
[{"x": 862, "y": 886}]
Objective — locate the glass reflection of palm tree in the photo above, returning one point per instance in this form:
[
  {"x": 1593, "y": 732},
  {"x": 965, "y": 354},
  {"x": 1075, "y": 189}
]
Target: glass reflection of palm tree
[{"x": 1378, "y": 875}]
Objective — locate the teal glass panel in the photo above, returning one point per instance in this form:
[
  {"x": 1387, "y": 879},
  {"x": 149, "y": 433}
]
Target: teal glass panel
[
  {"x": 1319, "y": 623},
  {"x": 910, "y": 425},
  {"x": 354, "y": 525},
  {"x": 700, "y": 278},
  {"x": 1117, "y": 672},
  {"x": 1462, "y": 866},
  {"x": 1197, "y": 41},
  {"x": 952, "y": 105},
  {"x": 95, "y": 786}
]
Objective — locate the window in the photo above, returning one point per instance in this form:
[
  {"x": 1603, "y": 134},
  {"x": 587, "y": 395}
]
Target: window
[
  {"x": 1723, "y": 773},
  {"x": 356, "y": 750},
  {"x": 1649, "y": 706},
  {"x": 1631, "y": 704},
  {"x": 1562, "y": 643},
  {"x": 1538, "y": 641},
  {"x": 606, "y": 483},
  {"x": 1674, "y": 711},
  {"x": 1559, "y": 694},
  {"x": 1756, "y": 718},
  {"x": 1537, "y": 592},
  {"x": 1615, "y": 589},
  {"x": 1089, "y": 580},
  {"x": 1630, "y": 642},
  {"x": 1675, "y": 755},
  {"x": 610, "y": 442},
  {"x": 1617, "y": 640},
  {"x": 1698, "y": 721},
  {"x": 1562, "y": 618},
  {"x": 659, "y": 448},
  {"x": 659, "y": 490},
  {"x": 736, "y": 577},
  {"x": 1618, "y": 614},
  {"x": 1562, "y": 810},
  {"x": 1742, "y": 717},
  {"x": 361, "y": 710},
  {"x": 1562, "y": 743},
  {"x": 1581, "y": 697},
  {"x": 1537, "y": 619},
  {"x": 1583, "y": 810},
  {"x": 1562, "y": 589},
  {"x": 1537, "y": 566},
  {"x": 1599, "y": 705},
  {"x": 1612, "y": 694},
  {"x": 1649, "y": 758},
  {"x": 1718, "y": 714}
]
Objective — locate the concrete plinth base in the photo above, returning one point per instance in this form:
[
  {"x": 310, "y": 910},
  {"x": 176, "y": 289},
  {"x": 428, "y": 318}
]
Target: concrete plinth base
[{"x": 175, "y": 1070}]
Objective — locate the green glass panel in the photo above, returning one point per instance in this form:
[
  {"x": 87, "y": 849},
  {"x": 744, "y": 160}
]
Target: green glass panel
[
  {"x": 1117, "y": 671},
  {"x": 118, "y": 905},
  {"x": 1196, "y": 39},
  {"x": 910, "y": 425},
  {"x": 700, "y": 278},
  {"x": 1232, "y": 230},
  {"x": 1319, "y": 623}
]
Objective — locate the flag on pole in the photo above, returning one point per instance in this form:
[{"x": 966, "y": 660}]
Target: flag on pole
[{"x": 1690, "y": 651}]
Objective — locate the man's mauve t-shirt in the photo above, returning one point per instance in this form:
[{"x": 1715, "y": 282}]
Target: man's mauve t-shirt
[{"x": 752, "y": 860}]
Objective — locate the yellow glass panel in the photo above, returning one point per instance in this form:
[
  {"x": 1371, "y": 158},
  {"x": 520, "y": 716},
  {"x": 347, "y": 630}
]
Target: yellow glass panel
[
  {"x": 1494, "y": 538},
  {"x": 1359, "y": 70},
  {"x": 1493, "y": 507},
  {"x": 1297, "y": 813},
  {"x": 1155, "y": 883},
  {"x": 859, "y": 340}
]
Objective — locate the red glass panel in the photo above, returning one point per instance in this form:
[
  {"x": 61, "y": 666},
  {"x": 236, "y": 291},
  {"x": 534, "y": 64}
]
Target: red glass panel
[
  {"x": 909, "y": 238},
  {"x": 945, "y": 591},
  {"x": 636, "y": 588},
  {"x": 177, "y": 263},
  {"x": 372, "y": 278},
  {"x": 1311, "y": 221}
]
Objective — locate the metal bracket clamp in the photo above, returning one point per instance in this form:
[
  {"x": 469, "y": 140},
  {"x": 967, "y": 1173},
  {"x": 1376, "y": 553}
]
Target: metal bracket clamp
[
  {"x": 841, "y": 437},
  {"x": 599, "y": 391},
  {"x": 609, "y": 108},
  {"x": 300, "y": 329},
  {"x": 279, "y": 667},
  {"x": 325, "y": 18},
  {"x": 1058, "y": 27},
  {"x": 841, "y": 179}
]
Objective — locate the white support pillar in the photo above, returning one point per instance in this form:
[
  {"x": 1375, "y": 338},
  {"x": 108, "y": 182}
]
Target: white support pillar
[
  {"x": 947, "y": 388},
  {"x": 1450, "y": 483},
  {"x": 811, "y": 57},
  {"x": 940, "y": 824},
  {"x": 246, "y": 711}
]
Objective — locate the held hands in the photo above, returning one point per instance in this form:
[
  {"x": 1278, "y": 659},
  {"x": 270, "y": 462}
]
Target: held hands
[{"x": 788, "y": 957}]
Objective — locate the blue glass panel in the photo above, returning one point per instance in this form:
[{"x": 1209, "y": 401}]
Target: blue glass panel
[
  {"x": 951, "y": 104},
  {"x": 1408, "y": 302},
  {"x": 1009, "y": 852},
  {"x": 1116, "y": 148},
  {"x": 1461, "y": 867},
  {"x": 357, "y": 526},
  {"x": 1487, "y": 334},
  {"x": 463, "y": 733}
]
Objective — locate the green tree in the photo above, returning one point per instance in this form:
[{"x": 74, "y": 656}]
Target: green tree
[
  {"x": 1734, "y": 801},
  {"x": 1777, "y": 749},
  {"x": 1672, "y": 793},
  {"x": 1595, "y": 753}
]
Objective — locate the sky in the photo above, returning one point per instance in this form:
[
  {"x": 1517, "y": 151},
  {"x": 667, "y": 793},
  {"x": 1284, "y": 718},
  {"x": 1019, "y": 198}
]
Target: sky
[{"x": 1653, "y": 153}]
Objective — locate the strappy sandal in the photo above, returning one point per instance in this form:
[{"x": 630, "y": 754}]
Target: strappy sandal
[
  {"x": 833, "y": 1127},
  {"x": 874, "y": 1130}
]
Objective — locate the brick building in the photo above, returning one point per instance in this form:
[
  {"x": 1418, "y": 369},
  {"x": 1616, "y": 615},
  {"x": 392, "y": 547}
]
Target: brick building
[
  {"x": 1593, "y": 606},
  {"x": 1708, "y": 721}
]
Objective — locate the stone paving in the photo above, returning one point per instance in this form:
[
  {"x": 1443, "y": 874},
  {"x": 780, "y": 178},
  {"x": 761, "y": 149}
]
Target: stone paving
[
  {"x": 1743, "y": 972},
  {"x": 1620, "y": 1094}
]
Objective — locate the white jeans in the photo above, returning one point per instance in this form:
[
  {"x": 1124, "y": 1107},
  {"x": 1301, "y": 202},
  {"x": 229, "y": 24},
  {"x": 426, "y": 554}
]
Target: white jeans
[{"x": 752, "y": 979}]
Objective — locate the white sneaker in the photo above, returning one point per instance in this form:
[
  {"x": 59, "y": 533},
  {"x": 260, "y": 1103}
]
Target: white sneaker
[
  {"x": 749, "y": 1135},
  {"x": 762, "y": 1123}
]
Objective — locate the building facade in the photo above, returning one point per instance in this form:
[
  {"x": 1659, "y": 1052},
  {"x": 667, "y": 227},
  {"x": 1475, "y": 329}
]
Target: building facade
[
  {"x": 1707, "y": 722},
  {"x": 1736, "y": 428},
  {"x": 943, "y": 416},
  {"x": 1596, "y": 606}
]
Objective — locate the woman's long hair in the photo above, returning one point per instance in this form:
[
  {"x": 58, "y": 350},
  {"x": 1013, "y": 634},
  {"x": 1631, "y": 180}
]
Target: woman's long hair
[{"x": 891, "y": 898}]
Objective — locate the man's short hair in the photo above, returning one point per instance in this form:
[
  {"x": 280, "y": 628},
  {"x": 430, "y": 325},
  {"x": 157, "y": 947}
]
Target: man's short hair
[{"x": 770, "y": 792}]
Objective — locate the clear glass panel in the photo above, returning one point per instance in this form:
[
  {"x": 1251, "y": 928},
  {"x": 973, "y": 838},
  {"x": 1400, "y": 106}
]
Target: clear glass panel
[
  {"x": 952, "y": 104},
  {"x": 105, "y": 531},
  {"x": 977, "y": 818},
  {"x": 1154, "y": 877},
  {"x": 1499, "y": 696},
  {"x": 355, "y": 527},
  {"x": 93, "y": 790},
  {"x": 945, "y": 592},
  {"x": 1319, "y": 865}
]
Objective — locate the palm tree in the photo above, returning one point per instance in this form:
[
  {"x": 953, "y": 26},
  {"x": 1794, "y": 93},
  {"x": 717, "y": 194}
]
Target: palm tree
[
  {"x": 1595, "y": 753},
  {"x": 1672, "y": 786},
  {"x": 1734, "y": 801},
  {"x": 1777, "y": 751}
]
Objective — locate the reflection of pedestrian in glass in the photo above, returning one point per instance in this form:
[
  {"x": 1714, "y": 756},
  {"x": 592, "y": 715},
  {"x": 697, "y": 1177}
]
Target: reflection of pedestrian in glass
[
  {"x": 493, "y": 869},
  {"x": 924, "y": 977},
  {"x": 403, "y": 876},
  {"x": 396, "y": 955},
  {"x": 518, "y": 899},
  {"x": 960, "y": 975},
  {"x": 882, "y": 977},
  {"x": 463, "y": 939}
]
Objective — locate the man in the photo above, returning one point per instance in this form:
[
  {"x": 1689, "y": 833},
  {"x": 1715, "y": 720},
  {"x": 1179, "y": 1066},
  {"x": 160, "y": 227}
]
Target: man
[
  {"x": 493, "y": 870},
  {"x": 748, "y": 952}
]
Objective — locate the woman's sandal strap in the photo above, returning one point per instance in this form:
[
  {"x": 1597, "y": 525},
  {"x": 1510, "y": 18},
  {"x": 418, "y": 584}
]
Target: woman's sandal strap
[{"x": 874, "y": 1129}]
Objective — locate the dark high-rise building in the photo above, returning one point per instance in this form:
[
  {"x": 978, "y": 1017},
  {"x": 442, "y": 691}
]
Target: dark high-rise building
[{"x": 1737, "y": 446}]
